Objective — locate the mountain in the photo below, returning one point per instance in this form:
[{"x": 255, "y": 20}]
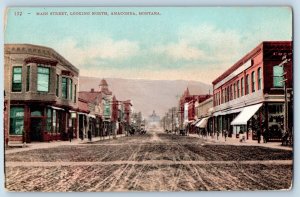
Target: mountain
[{"x": 147, "y": 95}]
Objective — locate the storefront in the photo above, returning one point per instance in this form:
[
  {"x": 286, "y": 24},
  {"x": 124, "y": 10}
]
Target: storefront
[{"x": 36, "y": 123}]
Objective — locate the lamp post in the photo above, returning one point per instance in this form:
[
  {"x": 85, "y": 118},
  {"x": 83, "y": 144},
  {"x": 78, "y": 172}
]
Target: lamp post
[{"x": 285, "y": 60}]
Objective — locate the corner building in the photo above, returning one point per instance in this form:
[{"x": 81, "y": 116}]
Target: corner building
[
  {"x": 40, "y": 94},
  {"x": 249, "y": 96}
]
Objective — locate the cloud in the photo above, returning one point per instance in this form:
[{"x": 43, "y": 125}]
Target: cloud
[
  {"x": 203, "y": 45},
  {"x": 180, "y": 51},
  {"x": 103, "y": 49}
]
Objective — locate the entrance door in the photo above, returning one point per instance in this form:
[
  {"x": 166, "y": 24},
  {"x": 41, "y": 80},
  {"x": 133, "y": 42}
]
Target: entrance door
[{"x": 36, "y": 129}]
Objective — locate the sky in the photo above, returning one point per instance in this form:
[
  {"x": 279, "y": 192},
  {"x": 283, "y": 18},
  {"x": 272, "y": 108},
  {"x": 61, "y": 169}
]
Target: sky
[{"x": 181, "y": 43}]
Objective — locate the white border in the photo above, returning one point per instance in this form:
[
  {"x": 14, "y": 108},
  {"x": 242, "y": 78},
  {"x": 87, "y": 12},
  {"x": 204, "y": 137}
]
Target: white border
[{"x": 152, "y": 3}]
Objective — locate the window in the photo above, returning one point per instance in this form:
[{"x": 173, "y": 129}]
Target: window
[
  {"x": 242, "y": 86},
  {"x": 28, "y": 79},
  {"x": 64, "y": 88},
  {"x": 57, "y": 85},
  {"x": 247, "y": 84},
  {"x": 238, "y": 89},
  {"x": 234, "y": 91},
  {"x": 259, "y": 76},
  {"x": 75, "y": 93},
  {"x": 17, "y": 79},
  {"x": 16, "y": 120},
  {"x": 70, "y": 89},
  {"x": 43, "y": 79},
  {"x": 231, "y": 92},
  {"x": 253, "y": 81},
  {"x": 278, "y": 76},
  {"x": 49, "y": 120}
]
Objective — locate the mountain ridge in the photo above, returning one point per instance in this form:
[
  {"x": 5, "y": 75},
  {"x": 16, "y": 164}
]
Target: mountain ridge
[{"x": 147, "y": 95}]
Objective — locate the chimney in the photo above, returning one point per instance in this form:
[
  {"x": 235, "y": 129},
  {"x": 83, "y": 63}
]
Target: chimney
[{"x": 92, "y": 90}]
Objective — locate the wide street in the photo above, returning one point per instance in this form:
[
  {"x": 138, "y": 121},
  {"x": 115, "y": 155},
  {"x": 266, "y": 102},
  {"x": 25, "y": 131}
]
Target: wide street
[{"x": 151, "y": 162}]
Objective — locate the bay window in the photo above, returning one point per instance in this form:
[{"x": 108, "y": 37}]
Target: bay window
[
  {"x": 64, "y": 87},
  {"x": 43, "y": 79},
  {"x": 17, "y": 79}
]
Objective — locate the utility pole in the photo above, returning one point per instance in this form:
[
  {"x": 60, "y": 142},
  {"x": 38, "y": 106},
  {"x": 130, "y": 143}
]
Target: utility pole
[
  {"x": 172, "y": 120},
  {"x": 284, "y": 81}
]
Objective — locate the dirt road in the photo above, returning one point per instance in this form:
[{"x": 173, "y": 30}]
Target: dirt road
[{"x": 151, "y": 162}]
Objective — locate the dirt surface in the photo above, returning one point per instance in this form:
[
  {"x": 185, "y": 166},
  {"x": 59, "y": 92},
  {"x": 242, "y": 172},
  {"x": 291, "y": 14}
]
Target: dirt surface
[{"x": 151, "y": 162}]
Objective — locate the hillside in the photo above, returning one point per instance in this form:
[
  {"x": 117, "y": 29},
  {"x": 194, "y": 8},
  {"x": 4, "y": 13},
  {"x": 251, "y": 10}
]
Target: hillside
[{"x": 147, "y": 95}]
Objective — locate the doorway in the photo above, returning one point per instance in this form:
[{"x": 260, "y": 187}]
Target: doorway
[{"x": 36, "y": 129}]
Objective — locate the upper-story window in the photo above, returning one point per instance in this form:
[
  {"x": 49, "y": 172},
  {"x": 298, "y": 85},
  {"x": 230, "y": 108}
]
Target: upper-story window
[
  {"x": 278, "y": 76},
  {"x": 75, "y": 90},
  {"x": 28, "y": 79},
  {"x": 231, "y": 92},
  {"x": 247, "y": 84},
  {"x": 17, "y": 79},
  {"x": 242, "y": 86},
  {"x": 224, "y": 96},
  {"x": 57, "y": 86},
  {"x": 64, "y": 87},
  {"x": 234, "y": 91},
  {"x": 70, "y": 89},
  {"x": 259, "y": 78},
  {"x": 238, "y": 89},
  {"x": 253, "y": 81},
  {"x": 43, "y": 79}
]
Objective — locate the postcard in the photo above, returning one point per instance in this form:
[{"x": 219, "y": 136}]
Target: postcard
[{"x": 148, "y": 99}]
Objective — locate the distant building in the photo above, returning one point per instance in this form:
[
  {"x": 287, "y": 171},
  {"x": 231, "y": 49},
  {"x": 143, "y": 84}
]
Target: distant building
[
  {"x": 153, "y": 120},
  {"x": 187, "y": 112}
]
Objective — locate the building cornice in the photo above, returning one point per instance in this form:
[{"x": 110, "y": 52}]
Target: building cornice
[{"x": 38, "y": 50}]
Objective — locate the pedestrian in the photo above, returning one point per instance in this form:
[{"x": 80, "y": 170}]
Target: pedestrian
[
  {"x": 70, "y": 134},
  {"x": 225, "y": 134},
  {"x": 81, "y": 133},
  {"x": 218, "y": 133},
  {"x": 89, "y": 135},
  {"x": 265, "y": 136},
  {"x": 258, "y": 136}
]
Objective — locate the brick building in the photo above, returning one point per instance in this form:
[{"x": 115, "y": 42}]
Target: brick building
[
  {"x": 40, "y": 94},
  {"x": 203, "y": 112},
  {"x": 99, "y": 102},
  {"x": 187, "y": 114},
  {"x": 249, "y": 96}
]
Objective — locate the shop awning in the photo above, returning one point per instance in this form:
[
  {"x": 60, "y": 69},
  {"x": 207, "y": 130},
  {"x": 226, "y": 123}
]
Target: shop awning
[
  {"x": 202, "y": 123},
  {"x": 225, "y": 112},
  {"x": 57, "y": 108},
  {"x": 246, "y": 114},
  {"x": 80, "y": 113},
  {"x": 196, "y": 121},
  {"x": 91, "y": 116}
]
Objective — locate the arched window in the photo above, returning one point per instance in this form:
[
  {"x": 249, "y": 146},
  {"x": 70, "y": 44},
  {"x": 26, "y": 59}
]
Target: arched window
[
  {"x": 253, "y": 81},
  {"x": 259, "y": 78},
  {"x": 238, "y": 89},
  {"x": 242, "y": 86},
  {"x": 247, "y": 84}
]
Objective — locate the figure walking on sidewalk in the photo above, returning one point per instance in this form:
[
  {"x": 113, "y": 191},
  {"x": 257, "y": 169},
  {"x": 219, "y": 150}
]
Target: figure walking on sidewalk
[
  {"x": 225, "y": 134},
  {"x": 70, "y": 134}
]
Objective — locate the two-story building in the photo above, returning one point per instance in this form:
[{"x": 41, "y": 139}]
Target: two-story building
[
  {"x": 203, "y": 112},
  {"x": 40, "y": 94},
  {"x": 249, "y": 96},
  {"x": 99, "y": 103}
]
